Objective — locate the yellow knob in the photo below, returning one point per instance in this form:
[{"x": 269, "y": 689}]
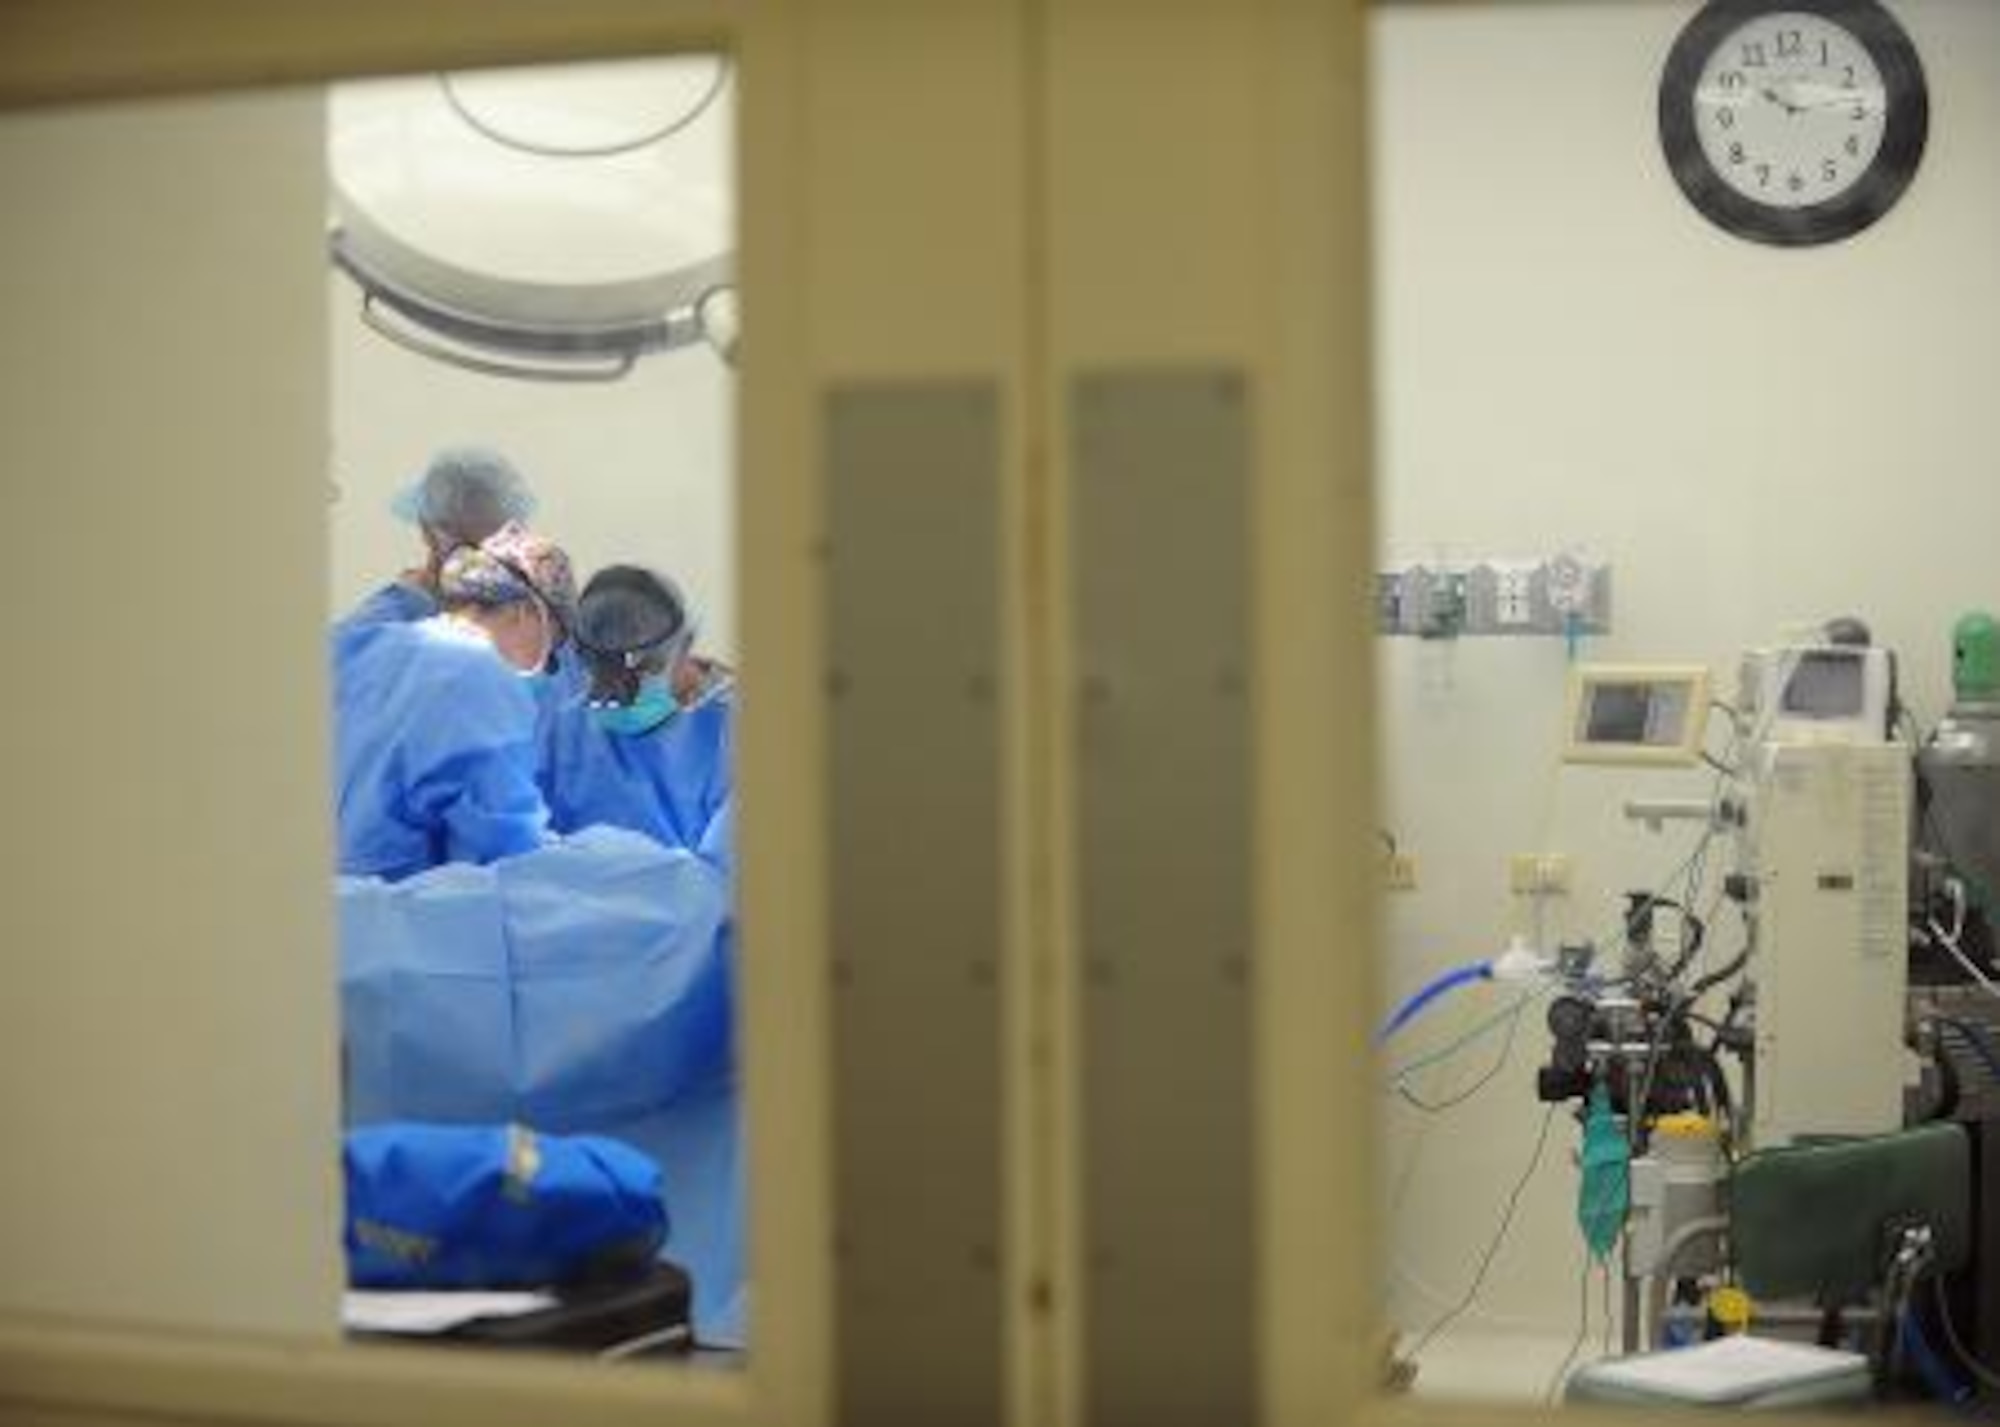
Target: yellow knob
[{"x": 1730, "y": 1307}]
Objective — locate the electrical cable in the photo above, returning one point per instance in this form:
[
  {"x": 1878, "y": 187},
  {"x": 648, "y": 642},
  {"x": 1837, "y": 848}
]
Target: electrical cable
[
  {"x": 1480, "y": 1030},
  {"x": 1976, "y": 1038},
  {"x": 1459, "y": 1097},
  {"x": 1950, "y": 1088},
  {"x": 1582, "y": 1333},
  {"x": 1950, "y": 943},
  {"x": 1716, "y": 977},
  {"x": 1726, "y": 764},
  {"x": 1493, "y": 1246},
  {"x": 1694, "y": 936},
  {"x": 1635, "y": 1105},
  {"x": 1956, "y": 890},
  {"x": 1982, "y": 898},
  {"x": 1608, "y": 1314},
  {"x": 1695, "y": 860},
  {"x": 1972, "y": 1364}
]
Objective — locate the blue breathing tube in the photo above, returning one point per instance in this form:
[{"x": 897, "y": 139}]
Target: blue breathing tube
[{"x": 1451, "y": 980}]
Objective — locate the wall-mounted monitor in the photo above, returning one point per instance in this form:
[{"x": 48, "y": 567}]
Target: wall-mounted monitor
[{"x": 1636, "y": 714}]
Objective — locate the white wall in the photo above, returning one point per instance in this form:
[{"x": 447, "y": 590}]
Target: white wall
[
  {"x": 1569, "y": 353},
  {"x": 640, "y": 470},
  {"x": 167, "y": 1050}
]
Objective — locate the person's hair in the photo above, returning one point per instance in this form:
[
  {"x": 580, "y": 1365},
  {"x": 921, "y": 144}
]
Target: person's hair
[{"x": 630, "y": 622}]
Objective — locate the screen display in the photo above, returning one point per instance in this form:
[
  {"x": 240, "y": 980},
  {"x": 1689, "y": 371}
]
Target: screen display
[
  {"x": 1650, "y": 714},
  {"x": 1826, "y": 684},
  {"x": 1617, "y": 713}
]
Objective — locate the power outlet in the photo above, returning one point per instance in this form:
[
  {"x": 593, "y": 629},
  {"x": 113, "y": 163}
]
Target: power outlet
[
  {"x": 1513, "y": 596},
  {"x": 1539, "y": 874},
  {"x": 1399, "y": 872}
]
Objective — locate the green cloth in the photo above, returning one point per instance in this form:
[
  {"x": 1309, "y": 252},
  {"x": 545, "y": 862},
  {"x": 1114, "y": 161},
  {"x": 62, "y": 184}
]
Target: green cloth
[{"x": 1604, "y": 1188}]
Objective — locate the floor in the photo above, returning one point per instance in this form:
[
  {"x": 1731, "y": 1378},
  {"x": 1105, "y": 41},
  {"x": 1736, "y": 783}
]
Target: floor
[{"x": 1494, "y": 1367}]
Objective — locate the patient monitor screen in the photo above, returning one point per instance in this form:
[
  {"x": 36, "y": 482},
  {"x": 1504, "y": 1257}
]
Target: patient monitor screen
[
  {"x": 1827, "y": 684},
  {"x": 1651, "y": 714},
  {"x": 1636, "y": 714}
]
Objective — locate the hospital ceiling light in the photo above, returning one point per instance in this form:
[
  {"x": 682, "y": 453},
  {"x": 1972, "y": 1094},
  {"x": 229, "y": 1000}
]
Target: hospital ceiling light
[{"x": 552, "y": 224}]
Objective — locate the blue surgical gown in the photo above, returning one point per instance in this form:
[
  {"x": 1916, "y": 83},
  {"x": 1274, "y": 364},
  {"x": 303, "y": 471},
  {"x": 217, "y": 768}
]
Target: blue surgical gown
[
  {"x": 672, "y": 784},
  {"x": 434, "y": 750},
  {"x": 398, "y": 602}
]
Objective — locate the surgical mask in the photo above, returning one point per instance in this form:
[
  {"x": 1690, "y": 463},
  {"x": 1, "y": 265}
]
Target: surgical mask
[
  {"x": 543, "y": 675},
  {"x": 653, "y": 707}
]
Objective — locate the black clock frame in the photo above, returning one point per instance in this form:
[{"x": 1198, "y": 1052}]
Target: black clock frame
[{"x": 1906, "y": 126}]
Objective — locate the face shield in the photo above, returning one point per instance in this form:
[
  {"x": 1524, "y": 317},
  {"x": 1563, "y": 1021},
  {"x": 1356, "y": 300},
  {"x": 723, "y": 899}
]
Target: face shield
[{"x": 633, "y": 632}]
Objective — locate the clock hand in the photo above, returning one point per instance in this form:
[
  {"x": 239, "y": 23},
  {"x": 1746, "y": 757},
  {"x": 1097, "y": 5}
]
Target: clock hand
[
  {"x": 1771, "y": 93},
  {"x": 1828, "y": 96}
]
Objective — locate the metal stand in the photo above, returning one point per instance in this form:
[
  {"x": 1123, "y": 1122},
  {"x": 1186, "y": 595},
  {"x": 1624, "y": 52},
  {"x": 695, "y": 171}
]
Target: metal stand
[{"x": 1631, "y": 1328}]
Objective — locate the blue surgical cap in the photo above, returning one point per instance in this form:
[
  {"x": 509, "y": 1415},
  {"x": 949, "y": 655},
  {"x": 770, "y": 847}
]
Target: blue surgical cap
[{"x": 465, "y": 494}]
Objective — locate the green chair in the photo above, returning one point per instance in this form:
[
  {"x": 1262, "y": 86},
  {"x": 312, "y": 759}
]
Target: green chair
[{"x": 1841, "y": 1222}]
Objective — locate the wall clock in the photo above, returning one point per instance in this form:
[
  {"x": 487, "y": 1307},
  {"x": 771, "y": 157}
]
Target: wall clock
[{"x": 1793, "y": 121}]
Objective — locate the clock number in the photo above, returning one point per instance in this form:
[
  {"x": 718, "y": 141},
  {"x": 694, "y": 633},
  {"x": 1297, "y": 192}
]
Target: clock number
[
  {"x": 1763, "y": 175},
  {"x": 1860, "y": 112},
  {"x": 1753, "y": 55},
  {"x": 1853, "y": 146},
  {"x": 1725, "y": 116},
  {"x": 1796, "y": 182},
  {"x": 1848, "y": 83},
  {"x": 1825, "y": 55},
  {"x": 1828, "y": 170},
  {"x": 1731, "y": 79},
  {"x": 1791, "y": 44},
  {"x": 1736, "y": 153}
]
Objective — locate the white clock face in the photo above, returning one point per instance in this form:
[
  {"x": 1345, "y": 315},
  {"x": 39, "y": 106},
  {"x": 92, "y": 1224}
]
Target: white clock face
[{"x": 1790, "y": 109}]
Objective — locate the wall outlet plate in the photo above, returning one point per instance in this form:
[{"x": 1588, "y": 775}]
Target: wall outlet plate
[
  {"x": 1539, "y": 874},
  {"x": 1399, "y": 872},
  {"x": 1516, "y": 597}
]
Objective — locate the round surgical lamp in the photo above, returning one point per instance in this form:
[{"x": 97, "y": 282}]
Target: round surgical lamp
[{"x": 552, "y": 224}]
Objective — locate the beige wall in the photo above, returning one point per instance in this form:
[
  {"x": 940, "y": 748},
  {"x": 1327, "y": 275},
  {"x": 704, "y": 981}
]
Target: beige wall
[
  {"x": 1569, "y": 353},
  {"x": 639, "y": 470},
  {"x": 166, "y": 1071}
]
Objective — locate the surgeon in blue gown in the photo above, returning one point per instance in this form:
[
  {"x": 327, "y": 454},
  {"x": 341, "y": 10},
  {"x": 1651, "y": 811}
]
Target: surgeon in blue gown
[
  {"x": 649, "y": 747},
  {"x": 464, "y": 496},
  {"x": 435, "y": 752},
  {"x": 649, "y": 750}
]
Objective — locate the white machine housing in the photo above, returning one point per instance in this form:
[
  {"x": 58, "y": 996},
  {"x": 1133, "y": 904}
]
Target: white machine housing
[
  {"x": 1816, "y": 693},
  {"x": 1826, "y": 841}
]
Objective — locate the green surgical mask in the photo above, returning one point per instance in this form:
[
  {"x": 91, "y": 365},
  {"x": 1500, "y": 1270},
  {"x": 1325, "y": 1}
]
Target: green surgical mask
[{"x": 652, "y": 708}]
